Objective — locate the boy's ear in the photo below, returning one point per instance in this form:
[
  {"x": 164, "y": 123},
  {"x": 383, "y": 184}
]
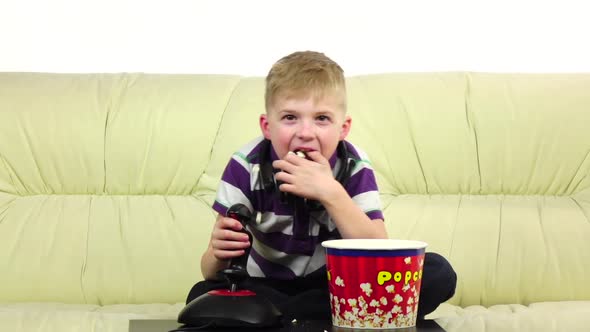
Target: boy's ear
[
  {"x": 263, "y": 121},
  {"x": 345, "y": 127}
]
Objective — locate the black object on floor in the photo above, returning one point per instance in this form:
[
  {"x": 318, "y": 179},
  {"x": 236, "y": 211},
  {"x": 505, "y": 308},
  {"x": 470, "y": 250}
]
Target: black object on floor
[
  {"x": 232, "y": 307},
  {"x": 158, "y": 325}
]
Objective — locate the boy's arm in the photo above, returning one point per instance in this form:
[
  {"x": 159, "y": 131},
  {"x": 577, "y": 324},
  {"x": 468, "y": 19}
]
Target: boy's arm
[
  {"x": 351, "y": 221},
  {"x": 313, "y": 179},
  {"x": 226, "y": 243},
  {"x": 210, "y": 265}
]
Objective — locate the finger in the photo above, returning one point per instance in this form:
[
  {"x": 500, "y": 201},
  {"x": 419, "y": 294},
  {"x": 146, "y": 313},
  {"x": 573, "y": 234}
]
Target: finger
[
  {"x": 228, "y": 254},
  {"x": 284, "y": 165},
  {"x": 231, "y": 223},
  {"x": 229, "y": 245},
  {"x": 317, "y": 157},
  {"x": 285, "y": 177},
  {"x": 229, "y": 235},
  {"x": 288, "y": 188}
]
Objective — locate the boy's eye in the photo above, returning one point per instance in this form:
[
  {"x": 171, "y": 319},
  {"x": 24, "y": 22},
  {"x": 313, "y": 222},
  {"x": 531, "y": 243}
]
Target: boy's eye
[
  {"x": 323, "y": 118},
  {"x": 289, "y": 117}
]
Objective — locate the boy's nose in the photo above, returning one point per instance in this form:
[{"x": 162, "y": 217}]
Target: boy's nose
[{"x": 305, "y": 130}]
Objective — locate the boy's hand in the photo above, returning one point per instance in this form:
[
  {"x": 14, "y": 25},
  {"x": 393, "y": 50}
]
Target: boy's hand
[
  {"x": 226, "y": 239},
  {"x": 311, "y": 179}
]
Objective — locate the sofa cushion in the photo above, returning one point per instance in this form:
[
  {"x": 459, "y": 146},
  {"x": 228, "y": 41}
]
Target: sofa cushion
[
  {"x": 47, "y": 316},
  {"x": 571, "y": 316},
  {"x": 504, "y": 248}
]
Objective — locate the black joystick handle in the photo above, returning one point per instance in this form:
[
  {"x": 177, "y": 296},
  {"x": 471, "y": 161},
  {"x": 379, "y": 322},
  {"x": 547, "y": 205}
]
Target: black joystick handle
[{"x": 237, "y": 271}]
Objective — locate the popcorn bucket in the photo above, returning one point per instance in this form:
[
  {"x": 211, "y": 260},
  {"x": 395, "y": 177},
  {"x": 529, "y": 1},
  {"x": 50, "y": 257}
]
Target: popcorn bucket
[{"x": 374, "y": 283}]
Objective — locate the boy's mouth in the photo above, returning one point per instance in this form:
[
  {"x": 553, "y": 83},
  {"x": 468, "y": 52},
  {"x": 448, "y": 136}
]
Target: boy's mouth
[{"x": 302, "y": 152}]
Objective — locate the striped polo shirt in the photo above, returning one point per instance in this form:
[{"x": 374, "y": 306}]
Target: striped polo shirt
[{"x": 287, "y": 240}]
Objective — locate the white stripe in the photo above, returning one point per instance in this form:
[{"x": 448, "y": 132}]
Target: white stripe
[
  {"x": 273, "y": 223},
  {"x": 241, "y": 161},
  {"x": 253, "y": 269},
  {"x": 233, "y": 195},
  {"x": 255, "y": 182},
  {"x": 362, "y": 162},
  {"x": 317, "y": 260},
  {"x": 321, "y": 218},
  {"x": 242, "y": 154},
  {"x": 368, "y": 201}
]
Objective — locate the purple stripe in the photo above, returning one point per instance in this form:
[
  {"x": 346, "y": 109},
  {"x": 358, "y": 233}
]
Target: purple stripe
[
  {"x": 220, "y": 208},
  {"x": 254, "y": 153},
  {"x": 376, "y": 214},
  {"x": 271, "y": 202},
  {"x": 270, "y": 269},
  {"x": 361, "y": 182},
  {"x": 236, "y": 175},
  {"x": 374, "y": 253}
]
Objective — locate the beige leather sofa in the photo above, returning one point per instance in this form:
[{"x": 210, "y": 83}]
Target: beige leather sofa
[{"x": 106, "y": 182}]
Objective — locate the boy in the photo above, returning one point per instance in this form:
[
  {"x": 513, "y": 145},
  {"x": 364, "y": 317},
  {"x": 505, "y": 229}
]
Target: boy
[{"x": 327, "y": 190}]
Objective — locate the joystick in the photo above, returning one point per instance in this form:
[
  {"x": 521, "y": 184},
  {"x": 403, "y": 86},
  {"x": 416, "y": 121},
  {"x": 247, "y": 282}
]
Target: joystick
[{"x": 232, "y": 307}]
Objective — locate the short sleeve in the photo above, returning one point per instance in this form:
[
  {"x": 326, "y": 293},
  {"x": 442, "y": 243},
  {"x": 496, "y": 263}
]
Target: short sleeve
[
  {"x": 362, "y": 187},
  {"x": 234, "y": 187}
]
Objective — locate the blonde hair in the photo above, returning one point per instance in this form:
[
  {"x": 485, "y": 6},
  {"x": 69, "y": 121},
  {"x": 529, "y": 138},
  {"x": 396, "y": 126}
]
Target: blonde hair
[{"x": 304, "y": 74}]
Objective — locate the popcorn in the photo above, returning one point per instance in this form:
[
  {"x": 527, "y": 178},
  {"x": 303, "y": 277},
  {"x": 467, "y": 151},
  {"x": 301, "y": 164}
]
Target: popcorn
[
  {"x": 366, "y": 287},
  {"x": 381, "y": 296},
  {"x": 374, "y": 303},
  {"x": 349, "y": 316},
  {"x": 390, "y": 288},
  {"x": 378, "y": 319},
  {"x": 300, "y": 154},
  {"x": 362, "y": 302}
]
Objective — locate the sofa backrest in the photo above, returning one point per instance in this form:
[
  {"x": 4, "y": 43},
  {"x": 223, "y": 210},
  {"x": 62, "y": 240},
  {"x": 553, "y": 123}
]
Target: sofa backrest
[{"x": 106, "y": 180}]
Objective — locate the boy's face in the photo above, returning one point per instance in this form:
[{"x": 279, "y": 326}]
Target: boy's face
[{"x": 304, "y": 124}]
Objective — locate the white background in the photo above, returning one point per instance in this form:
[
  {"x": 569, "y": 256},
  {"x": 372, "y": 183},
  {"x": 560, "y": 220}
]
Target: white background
[{"x": 246, "y": 37}]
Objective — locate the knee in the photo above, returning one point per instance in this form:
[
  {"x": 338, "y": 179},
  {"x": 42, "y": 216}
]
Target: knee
[
  {"x": 439, "y": 281},
  {"x": 439, "y": 272}
]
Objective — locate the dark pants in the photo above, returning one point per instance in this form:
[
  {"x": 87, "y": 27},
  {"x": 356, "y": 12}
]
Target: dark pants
[{"x": 308, "y": 297}]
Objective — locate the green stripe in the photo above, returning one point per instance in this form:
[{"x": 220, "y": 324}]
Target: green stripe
[
  {"x": 359, "y": 164},
  {"x": 246, "y": 158},
  {"x": 241, "y": 156},
  {"x": 366, "y": 161}
]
